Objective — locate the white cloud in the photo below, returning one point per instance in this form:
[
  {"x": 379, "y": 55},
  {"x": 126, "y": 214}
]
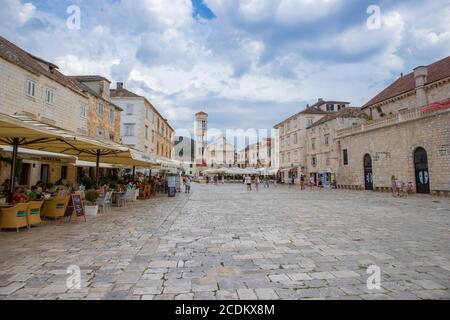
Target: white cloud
[
  {"x": 294, "y": 12},
  {"x": 255, "y": 56},
  {"x": 74, "y": 65},
  {"x": 13, "y": 13}
]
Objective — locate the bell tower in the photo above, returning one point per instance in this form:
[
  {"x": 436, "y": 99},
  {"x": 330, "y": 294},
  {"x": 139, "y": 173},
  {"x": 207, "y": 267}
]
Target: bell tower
[{"x": 201, "y": 133}]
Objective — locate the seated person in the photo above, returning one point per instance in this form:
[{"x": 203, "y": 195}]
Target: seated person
[
  {"x": 33, "y": 195},
  {"x": 19, "y": 196}
]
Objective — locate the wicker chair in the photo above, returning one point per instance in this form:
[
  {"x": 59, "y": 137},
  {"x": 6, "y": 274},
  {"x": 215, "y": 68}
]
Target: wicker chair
[
  {"x": 15, "y": 217},
  {"x": 56, "y": 208},
  {"x": 34, "y": 212}
]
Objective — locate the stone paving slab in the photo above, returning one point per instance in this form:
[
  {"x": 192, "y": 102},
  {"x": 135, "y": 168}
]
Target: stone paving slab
[{"x": 224, "y": 243}]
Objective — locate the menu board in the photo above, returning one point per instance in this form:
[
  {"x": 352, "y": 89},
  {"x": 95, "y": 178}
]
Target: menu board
[
  {"x": 78, "y": 205},
  {"x": 75, "y": 207}
]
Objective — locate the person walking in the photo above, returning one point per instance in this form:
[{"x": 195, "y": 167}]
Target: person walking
[
  {"x": 248, "y": 182},
  {"x": 266, "y": 183},
  {"x": 257, "y": 183},
  {"x": 187, "y": 185},
  {"x": 320, "y": 184},
  {"x": 394, "y": 186},
  {"x": 312, "y": 183},
  {"x": 302, "y": 182}
]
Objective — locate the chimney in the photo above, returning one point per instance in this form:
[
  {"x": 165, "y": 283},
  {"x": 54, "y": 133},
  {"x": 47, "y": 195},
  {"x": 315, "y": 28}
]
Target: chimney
[
  {"x": 119, "y": 85},
  {"x": 421, "y": 78}
]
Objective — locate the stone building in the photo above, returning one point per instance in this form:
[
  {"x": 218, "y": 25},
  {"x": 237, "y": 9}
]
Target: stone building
[
  {"x": 219, "y": 153},
  {"x": 322, "y": 148},
  {"x": 184, "y": 152},
  {"x": 103, "y": 116},
  {"x": 243, "y": 157},
  {"x": 407, "y": 135},
  {"x": 142, "y": 126},
  {"x": 34, "y": 88},
  {"x": 292, "y": 137},
  {"x": 256, "y": 155}
]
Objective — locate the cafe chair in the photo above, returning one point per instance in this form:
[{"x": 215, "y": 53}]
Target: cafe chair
[
  {"x": 15, "y": 217},
  {"x": 56, "y": 208},
  {"x": 122, "y": 198},
  {"x": 105, "y": 202},
  {"x": 34, "y": 212}
]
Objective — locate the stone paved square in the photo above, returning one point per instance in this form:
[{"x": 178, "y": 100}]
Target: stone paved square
[{"x": 222, "y": 242}]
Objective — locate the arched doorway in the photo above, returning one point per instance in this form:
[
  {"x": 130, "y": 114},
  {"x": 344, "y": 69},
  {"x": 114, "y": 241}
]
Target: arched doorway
[
  {"x": 422, "y": 172},
  {"x": 368, "y": 173}
]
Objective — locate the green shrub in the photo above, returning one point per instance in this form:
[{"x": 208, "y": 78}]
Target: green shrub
[
  {"x": 89, "y": 183},
  {"x": 91, "y": 196}
]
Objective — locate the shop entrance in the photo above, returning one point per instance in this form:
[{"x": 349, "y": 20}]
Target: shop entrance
[
  {"x": 368, "y": 173},
  {"x": 422, "y": 172}
]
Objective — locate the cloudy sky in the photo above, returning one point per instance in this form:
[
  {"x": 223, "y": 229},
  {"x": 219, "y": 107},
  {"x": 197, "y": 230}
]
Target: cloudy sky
[{"x": 248, "y": 63}]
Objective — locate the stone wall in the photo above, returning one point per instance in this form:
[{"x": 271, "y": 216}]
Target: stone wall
[
  {"x": 64, "y": 112},
  {"x": 95, "y": 121},
  {"x": 321, "y": 149},
  {"x": 395, "y": 146}
]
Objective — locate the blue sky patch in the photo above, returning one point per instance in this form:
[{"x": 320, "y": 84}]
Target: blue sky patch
[{"x": 202, "y": 10}]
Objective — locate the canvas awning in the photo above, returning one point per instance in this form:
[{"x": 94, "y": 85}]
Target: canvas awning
[
  {"x": 216, "y": 171},
  {"x": 167, "y": 164},
  {"x": 23, "y": 131},
  {"x": 88, "y": 164},
  {"x": 42, "y": 156}
]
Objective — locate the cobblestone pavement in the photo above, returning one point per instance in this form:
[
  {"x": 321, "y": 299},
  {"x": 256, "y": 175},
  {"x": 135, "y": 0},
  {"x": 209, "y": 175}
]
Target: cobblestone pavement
[{"x": 225, "y": 243}]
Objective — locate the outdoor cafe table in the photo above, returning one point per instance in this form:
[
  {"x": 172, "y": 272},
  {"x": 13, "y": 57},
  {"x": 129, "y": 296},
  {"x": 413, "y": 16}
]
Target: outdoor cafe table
[{"x": 115, "y": 197}]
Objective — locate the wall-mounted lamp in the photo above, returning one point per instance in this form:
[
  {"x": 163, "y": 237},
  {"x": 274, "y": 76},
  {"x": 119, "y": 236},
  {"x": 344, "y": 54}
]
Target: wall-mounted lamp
[{"x": 443, "y": 151}]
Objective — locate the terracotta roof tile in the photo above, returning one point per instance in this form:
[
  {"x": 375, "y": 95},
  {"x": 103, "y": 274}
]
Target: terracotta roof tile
[
  {"x": 85, "y": 88},
  {"x": 350, "y": 112},
  {"x": 123, "y": 93},
  {"x": 12, "y": 53},
  {"x": 436, "y": 71},
  {"x": 92, "y": 78}
]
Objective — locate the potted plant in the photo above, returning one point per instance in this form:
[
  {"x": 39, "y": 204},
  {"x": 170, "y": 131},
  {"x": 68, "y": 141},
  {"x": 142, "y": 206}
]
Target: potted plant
[{"x": 91, "y": 206}]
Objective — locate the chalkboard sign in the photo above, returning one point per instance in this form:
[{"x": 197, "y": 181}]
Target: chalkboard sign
[
  {"x": 75, "y": 207},
  {"x": 78, "y": 205}
]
